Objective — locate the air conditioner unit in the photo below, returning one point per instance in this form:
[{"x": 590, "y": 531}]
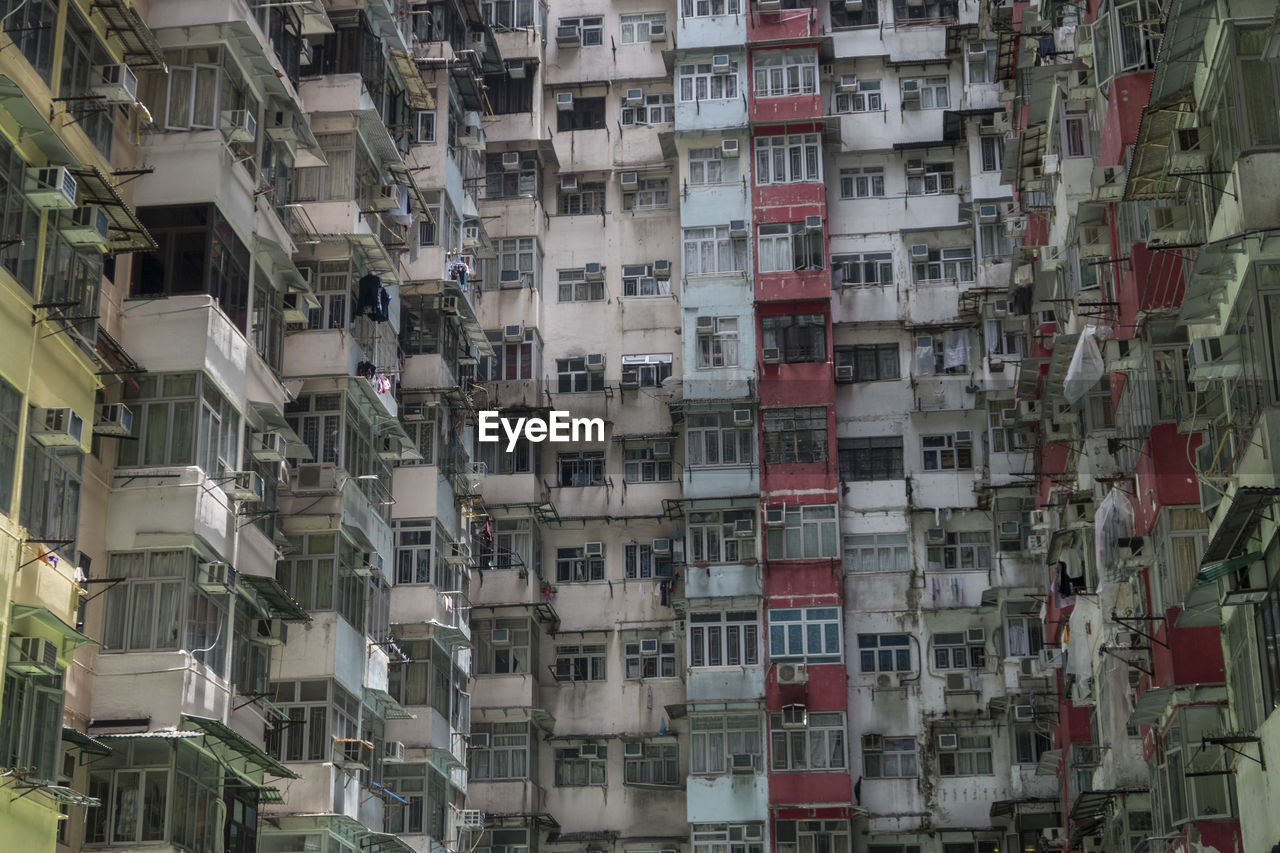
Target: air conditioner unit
[
  {"x": 87, "y": 225},
  {"x": 113, "y": 419},
  {"x": 386, "y": 197},
  {"x": 589, "y": 750},
  {"x": 500, "y": 636},
  {"x": 629, "y": 179},
  {"x": 449, "y": 306},
  {"x": 593, "y": 272},
  {"x": 1095, "y": 241},
  {"x": 478, "y": 740},
  {"x": 744, "y": 527},
  {"x": 568, "y": 36},
  {"x": 988, "y": 212},
  {"x": 513, "y": 334},
  {"x": 649, "y": 647},
  {"x": 1124, "y": 354},
  {"x": 1010, "y": 530},
  {"x": 1024, "y": 713},
  {"x": 315, "y": 477},
  {"x": 1186, "y": 154},
  {"x": 1051, "y": 658},
  {"x": 458, "y": 554},
  {"x": 1037, "y": 541},
  {"x": 215, "y": 577},
  {"x": 51, "y": 188},
  {"x": 975, "y": 636},
  {"x": 114, "y": 84},
  {"x": 239, "y": 126},
  {"x": 662, "y": 450},
  {"x": 297, "y": 305},
  {"x": 1108, "y": 183},
  {"x": 720, "y": 63},
  {"x": 57, "y": 427},
  {"x": 771, "y": 355},
  {"x": 706, "y": 325},
  {"x": 630, "y": 378},
  {"x": 958, "y": 682},
  {"x": 1169, "y": 226},
  {"x": 919, "y": 251},
  {"x": 737, "y": 228},
  {"x": 633, "y": 749},
  {"x": 935, "y": 536},
  {"x": 775, "y": 516},
  {"x": 1000, "y": 124},
  {"x": 844, "y": 373},
  {"x": 977, "y": 49},
  {"x": 661, "y": 546},
  {"x": 813, "y": 223},
  {"x": 1214, "y": 358},
  {"x": 511, "y": 160},
  {"x": 32, "y": 656},
  {"x": 915, "y": 167},
  {"x": 795, "y": 716},
  {"x": 633, "y": 97},
  {"x": 741, "y": 417},
  {"x": 515, "y": 69},
  {"x": 848, "y": 82},
  {"x": 352, "y": 754},
  {"x": 792, "y": 673},
  {"x": 1080, "y": 85},
  {"x": 269, "y": 632},
  {"x": 470, "y": 820},
  {"x": 729, "y": 148},
  {"x": 595, "y": 362},
  {"x": 948, "y": 741},
  {"x": 742, "y": 762},
  {"x": 662, "y": 270},
  {"x": 393, "y": 752},
  {"x": 246, "y": 486},
  {"x": 1049, "y": 164},
  {"x": 268, "y": 447},
  {"x": 564, "y": 101}
]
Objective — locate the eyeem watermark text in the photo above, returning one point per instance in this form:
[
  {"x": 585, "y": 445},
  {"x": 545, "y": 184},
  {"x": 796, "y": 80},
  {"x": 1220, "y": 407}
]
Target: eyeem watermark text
[{"x": 557, "y": 428}]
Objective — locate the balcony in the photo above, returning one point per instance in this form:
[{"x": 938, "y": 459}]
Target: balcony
[
  {"x": 711, "y": 481},
  {"x": 507, "y": 797},
  {"x": 505, "y": 691},
  {"x": 789, "y": 108},
  {"x": 725, "y": 684},
  {"x": 782, "y": 24},
  {"x": 732, "y": 797},
  {"x": 513, "y": 490}
]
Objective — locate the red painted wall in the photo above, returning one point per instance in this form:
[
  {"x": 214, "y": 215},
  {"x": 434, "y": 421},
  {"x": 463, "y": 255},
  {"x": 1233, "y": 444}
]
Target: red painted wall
[
  {"x": 1129, "y": 94},
  {"x": 827, "y": 690},
  {"x": 810, "y": 787},
  {"x": 785, "y": 24},
  {"x": 803, "y": 583},
  {"x": 1164, "y": 475},
  {"x": 1194, "y": 655}
]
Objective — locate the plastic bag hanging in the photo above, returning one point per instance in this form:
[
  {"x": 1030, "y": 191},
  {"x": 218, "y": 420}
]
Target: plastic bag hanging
[
  {"x": 1086, "y": 367},
  {"x": 1112, "y": 522},
  {"x": 924, "y": 361}
]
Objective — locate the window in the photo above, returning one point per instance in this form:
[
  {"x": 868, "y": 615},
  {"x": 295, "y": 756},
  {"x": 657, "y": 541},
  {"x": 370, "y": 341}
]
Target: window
[
  {"x": 501, "y": 182},
  {"x": 817, "y": 746},
  {"x": 841, "y": 17},
  {"x": 710, "y": 250},
  {"x": 320, "y": 574},
  {"x": 640, "y": 465},
  {"x": 866, "y": 100},
  {"x": 181, "y": 419},
  {"x": 864, "y": 182},
  {"x": 31, "y": 737},
  {"x": 10, "y": 415},
  {"x": 1005, "y": 437},
  {"x": 656, "y": 109},
  {"x": 134, "y": 796},
  {"x": 870, "y": 362},
  {"x": 422, "y": 787},
  {"x": 646, "y": 371},
  {"x": 32, "y": 29},
  {"x": 718, "y": 343},
  {"x": 944, "y": 266},
  {"x": 949, "y": 452},
  {"x": 413, "y": 552},
  {"x": 1077, "y": 133},
  {"x": 577, "y": 767},
  {"x": 650, "y": 656},
  {"x": 636, "y": 29},
  {"x": 50, "y": 501},
  {"x": 714, "y": 738},
  {"x": 924, "y": 93},
  {"x": 936, "y": 178},
  {"x": 573, "y": 377},
  {"x": 521, "y": 254},
  {"x": 707, "y": 167},
  {"x": 659, "y": 765},
  {"x": 992, "y": 155},
  {"x": 509, "y": 14},
  {"x": 580, "y": 663},
  {"x": 877, "y": 552},
  {"x": 639, "y": 561},
  {"x": 971, "y": 757},
  {"x": 1023, "y": 630},
  {"x": 1006, "y": 337},
  {"x": 587, "y": 114},
  {"x": 884, "y": 653},
  {"x": 503, "y": 646},
  {"x": 789, "y": 247},
  {"x": 724, "y": 638},
  {"x": 889, "y": 757},
  {"x": 510, "y": 359},
  {"x": 506, "y": 756},
  {"x": 587, "y": 199},
  {"x": 800, "y": 338},
  {"x": 573, "y": 567},
  {"x": 713, "y": 536},
  {"x": 795, "y": 436},
  {"x": 869, "y": 269},
  {"x": 946, "y": 354},
  {"x": 994, "y": 239},
  {"x": 409, "y": 681},
  {"x": 715, "y": 439},
  {"x": 424, "y": 129},
  {"x": 788, "y": 159},
  {"x": 1029, "y": 743},
  {"x": 808, "y": 634},
  {"x": 591, "y": 30},
  {"x": 709, "y": 8},
  {"x": 574, "y": 287},
  {"x": 638, "y": 280},
  {"x": 953, "y": 650},
  {"x": 513, "y": 544},
  {"x": 585, "y": 468},
  {"x": 870, "y": 459},
  {"x": 728, "y": 838},
  {"x": 18, "y": 217},
  {"x": 785, "y": 73},
  {"x": 649, "y": 194},
  {"x": 317, "y": 711},
  {"x": 968, "y": 551},
  {"x": 809, "y": 532},
  {"x": 699, "y": 82},
  {"x": 196, "y": 252}
]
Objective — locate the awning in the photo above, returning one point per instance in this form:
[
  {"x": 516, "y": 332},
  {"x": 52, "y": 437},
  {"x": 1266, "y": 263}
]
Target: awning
[
  {"x": 83, "y": 742},
  {"x": 273, "y": 421},
  {"x": 1061, "y": 540},
  {"x": 514, "y": 714},
  {"x": 140, "y": 47},
  {"x": 385, "y": 705},
  {"x": 1031, "y": 146},
  {"x": 1236, "y": 528},
  {"x": 274, "y": 599},
  {"x": 26, "y": 618},
  {"x": 33, "y": 124},
  {"x": 1211, "y": 572},
  {"x": 415, "y": 88},
  {"x": 269, "y": 795},
  {"x": 1150, "y": 706},
  {"x": 1048, "y": 763},
  {"x": 125, "y": 232},
  {"x": 1147, "y": 171},
  {"x": 224, "y": 737}
]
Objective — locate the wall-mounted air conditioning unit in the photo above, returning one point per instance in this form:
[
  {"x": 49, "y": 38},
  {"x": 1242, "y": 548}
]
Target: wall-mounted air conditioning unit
[
  {"x": 87, "y": 225},
  {"x": 56, "y": 427},
  {"x": 32, "y": 656},
  {"x": 239, "y": 126},
  {"x": 114, "y": 84},
  {"x": 564, "y": 101},
  {"x": 113, "y": 419},
  {"x": 568, "y": 35},
  {"x": 315, "y": 477},
  {"x": 793, "y": 673},
  {"x": 51, "y": 188},
  {"x": 729, "y": 148},
  {"x": 661, "y": 546}
]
